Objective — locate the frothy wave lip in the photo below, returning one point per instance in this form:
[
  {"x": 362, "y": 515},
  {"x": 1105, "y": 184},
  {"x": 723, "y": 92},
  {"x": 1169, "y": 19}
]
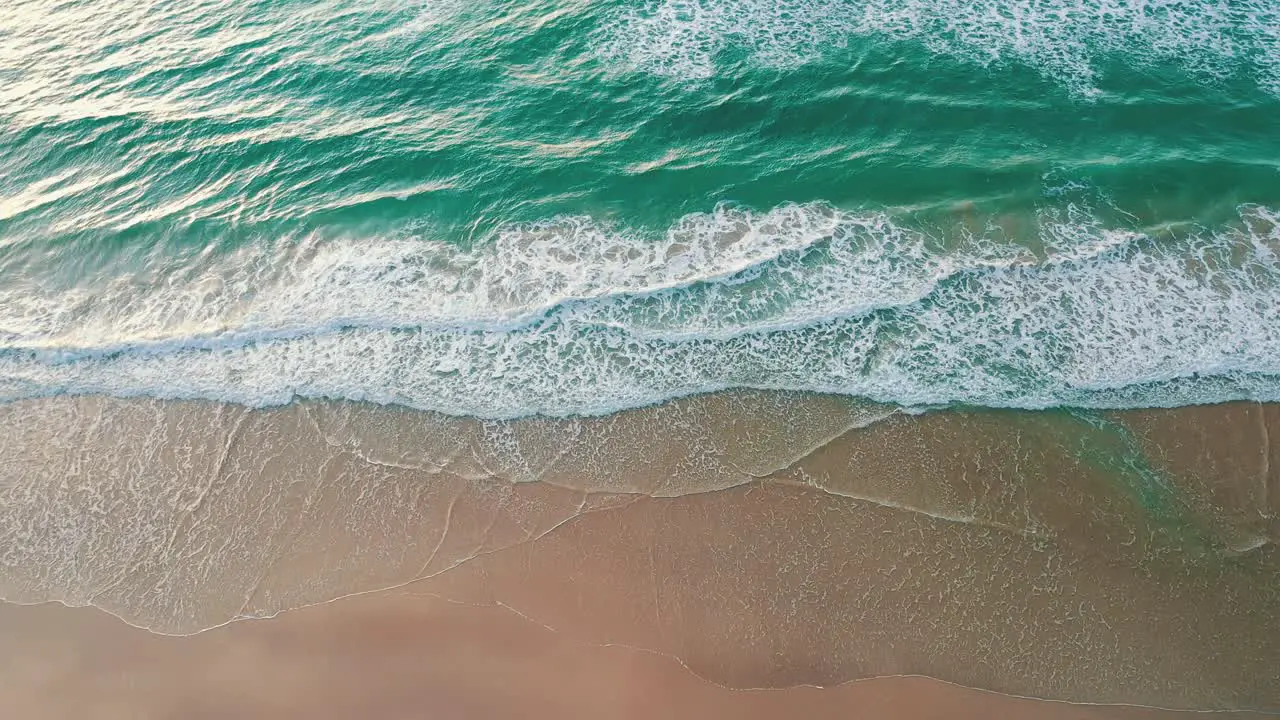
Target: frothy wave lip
[
  {"x": 1067, "y": 40},
  {"x": 572, "y": 318},
  {"x": 588, "y": 311}
]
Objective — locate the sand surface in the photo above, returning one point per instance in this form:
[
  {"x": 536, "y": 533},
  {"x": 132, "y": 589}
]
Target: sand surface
[
  {"x": 410, "y": 655},
  {"x": 721, "y": 545}
]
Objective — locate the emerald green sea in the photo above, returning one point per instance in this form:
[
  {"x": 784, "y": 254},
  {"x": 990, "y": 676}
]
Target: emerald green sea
[{"x": 560, "y": 207}]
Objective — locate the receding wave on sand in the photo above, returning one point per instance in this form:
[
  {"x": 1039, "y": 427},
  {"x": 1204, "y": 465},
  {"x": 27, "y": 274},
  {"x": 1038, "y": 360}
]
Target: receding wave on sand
[{"x": 763, "y": 539}]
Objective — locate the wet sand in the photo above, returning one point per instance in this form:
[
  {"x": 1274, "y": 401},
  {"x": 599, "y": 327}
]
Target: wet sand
[
  {"x": 406, "y": 654},
  {"x": 748, "y": 540}
]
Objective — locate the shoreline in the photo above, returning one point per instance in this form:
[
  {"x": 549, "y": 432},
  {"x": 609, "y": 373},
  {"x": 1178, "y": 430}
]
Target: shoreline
[{"x": 754, "y": 536}]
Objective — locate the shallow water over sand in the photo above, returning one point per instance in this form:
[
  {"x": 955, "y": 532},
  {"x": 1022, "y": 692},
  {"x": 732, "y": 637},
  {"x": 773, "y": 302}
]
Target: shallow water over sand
[{"x": 763, "y": 539}]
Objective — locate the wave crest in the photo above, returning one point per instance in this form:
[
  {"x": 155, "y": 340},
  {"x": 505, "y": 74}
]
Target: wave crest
[
  {"x": 568, "y": 317},
  {"x": 1068, "y": 40}
]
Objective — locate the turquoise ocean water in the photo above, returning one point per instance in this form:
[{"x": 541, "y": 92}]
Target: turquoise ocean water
[{"x": 505, "y": 208}]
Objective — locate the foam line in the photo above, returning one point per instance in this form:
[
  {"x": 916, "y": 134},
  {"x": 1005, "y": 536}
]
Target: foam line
[
  {"x": 1068, "y": 40},
  {"x": 571, "y": 317}
]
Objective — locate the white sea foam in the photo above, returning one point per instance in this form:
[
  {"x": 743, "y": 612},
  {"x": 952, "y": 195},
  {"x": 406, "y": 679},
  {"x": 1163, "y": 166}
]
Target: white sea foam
[
  {"x": 314, "y": 286},
  {"x": 571, "y": 317},
  {"x": 1066, "y": 39}
]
